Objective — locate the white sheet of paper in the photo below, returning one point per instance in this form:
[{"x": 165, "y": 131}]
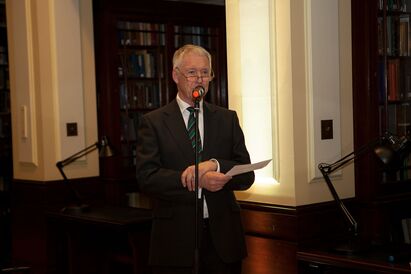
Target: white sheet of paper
[{"x": 239, "y": 169}]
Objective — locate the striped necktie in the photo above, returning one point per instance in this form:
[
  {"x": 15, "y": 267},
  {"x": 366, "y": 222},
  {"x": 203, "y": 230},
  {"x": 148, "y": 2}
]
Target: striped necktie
[{"x": 192, "y": 130}]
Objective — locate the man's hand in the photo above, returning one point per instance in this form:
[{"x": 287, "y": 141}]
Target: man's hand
[
  {"x": 214, "y": 181},
  {"x": 188, "y": 176}
]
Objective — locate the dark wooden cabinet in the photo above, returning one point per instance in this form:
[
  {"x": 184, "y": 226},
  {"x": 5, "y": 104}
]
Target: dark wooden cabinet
[{"x": 134, "y": 45}]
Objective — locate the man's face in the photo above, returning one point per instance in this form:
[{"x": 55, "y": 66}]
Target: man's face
[{"x": 186, "y": 75}]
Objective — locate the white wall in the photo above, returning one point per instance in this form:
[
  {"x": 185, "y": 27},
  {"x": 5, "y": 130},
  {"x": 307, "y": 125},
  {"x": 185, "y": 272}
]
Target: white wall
[
  {"x": 308, "y": 46},
  {"x": 274, "y": 63},
  {"x": 52, "y": 83}
]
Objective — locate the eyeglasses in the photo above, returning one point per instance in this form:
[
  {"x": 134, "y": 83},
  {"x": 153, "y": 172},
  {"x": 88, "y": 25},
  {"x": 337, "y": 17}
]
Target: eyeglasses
[{"x": 194, "y": 75}]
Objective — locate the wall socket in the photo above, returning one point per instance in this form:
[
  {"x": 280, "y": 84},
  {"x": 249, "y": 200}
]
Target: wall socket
[
  {"x": 71, "y": 129},
  {"x": 327, "y": 129}
]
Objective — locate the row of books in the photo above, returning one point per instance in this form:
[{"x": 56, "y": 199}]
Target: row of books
[
  {"x": 204, "y": 41},
  {"x": 140, "y": 38},
  {"x": 139, "y": 95},
  {"x": 393, "y": 80},
  {"x": 156, "y": 27},
  {"x": 140, "y": 26},
  {"x": 398, "y": 79},
  {"x": 398, "y": 35},
  {"x": 149, "y": 34},
  {"x": 127, "y": 38},
  {"x": 129, "y": 126},
  {"x": 399, "y": 119},
  {"x": 141, "y": 63},
  {"x": 180, "y": 29},
  {"x": 395, "y": 5}
]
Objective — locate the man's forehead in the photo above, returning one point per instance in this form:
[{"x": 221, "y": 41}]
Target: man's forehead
[{"x": 194, "y": 60}]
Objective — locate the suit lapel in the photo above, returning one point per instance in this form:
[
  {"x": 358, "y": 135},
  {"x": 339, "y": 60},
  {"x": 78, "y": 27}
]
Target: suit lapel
[
  {"x": 174, "y": 123},
  {"x": 210, "y": 130}
]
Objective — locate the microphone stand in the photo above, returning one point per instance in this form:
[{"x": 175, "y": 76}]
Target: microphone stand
[{"x": 197, "y": 197}]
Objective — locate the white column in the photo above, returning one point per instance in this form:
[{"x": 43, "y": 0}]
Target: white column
[{"x": 52, "y": 84}]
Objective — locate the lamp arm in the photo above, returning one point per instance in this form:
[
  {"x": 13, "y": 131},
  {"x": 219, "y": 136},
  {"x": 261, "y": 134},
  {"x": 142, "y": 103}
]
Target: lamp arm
[
  {"x": 77, "y": 155},
  {"x": 348, "y": 217},
  {"x": 330, "y": 168},
  {"x": 327, "y": 169}
]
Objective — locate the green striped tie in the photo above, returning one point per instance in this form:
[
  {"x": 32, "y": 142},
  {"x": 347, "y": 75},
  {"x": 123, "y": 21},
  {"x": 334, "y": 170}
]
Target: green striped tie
[{"x": 192, "y": 130}]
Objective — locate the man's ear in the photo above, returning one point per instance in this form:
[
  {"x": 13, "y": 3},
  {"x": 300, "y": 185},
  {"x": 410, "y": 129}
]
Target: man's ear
[{"x": 175, "y": 78}]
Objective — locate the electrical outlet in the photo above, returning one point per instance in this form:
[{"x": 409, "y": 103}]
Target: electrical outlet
[
  {"x": 71, "y": 129},
  {"x": 326, "y": 129}
]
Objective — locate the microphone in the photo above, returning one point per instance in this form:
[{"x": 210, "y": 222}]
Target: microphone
[{"x": 198, "y": 92}]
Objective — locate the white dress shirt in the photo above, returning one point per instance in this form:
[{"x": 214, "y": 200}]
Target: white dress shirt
[{"x": 183, "y": 108}]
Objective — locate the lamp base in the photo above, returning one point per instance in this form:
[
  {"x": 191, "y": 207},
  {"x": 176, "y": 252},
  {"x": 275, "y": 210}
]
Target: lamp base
[{"x": 75, "y": 209}]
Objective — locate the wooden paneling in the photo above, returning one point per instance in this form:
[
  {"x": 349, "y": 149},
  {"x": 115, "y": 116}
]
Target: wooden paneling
[
  {"x": 271, "y": 224},
  {"x": 274, "y": 233},
  {"x": 293, "y": 223},
  {"x": 268, "y": 256}
]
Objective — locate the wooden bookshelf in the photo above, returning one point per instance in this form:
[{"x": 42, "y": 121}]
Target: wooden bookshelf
[
  {"x": 381, "y": 55},
  {"x": 134, "y": 45}
]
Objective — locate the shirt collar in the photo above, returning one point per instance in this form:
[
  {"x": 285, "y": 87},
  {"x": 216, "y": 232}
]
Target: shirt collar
[{"x": 183, "y": 105}]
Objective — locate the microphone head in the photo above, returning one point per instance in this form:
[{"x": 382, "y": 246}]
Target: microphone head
[{"x": 198, "y": 92}]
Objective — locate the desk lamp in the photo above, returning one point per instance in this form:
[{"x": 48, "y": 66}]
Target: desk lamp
[
  {"x": 391, "y": 150},
  {"x": 104, "y": 151}
]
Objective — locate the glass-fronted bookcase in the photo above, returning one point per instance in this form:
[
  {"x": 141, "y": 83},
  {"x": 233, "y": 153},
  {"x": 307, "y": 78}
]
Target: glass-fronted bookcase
[
  {"x": 134, "y": 47},
  {"x": 394, "y": 76}
]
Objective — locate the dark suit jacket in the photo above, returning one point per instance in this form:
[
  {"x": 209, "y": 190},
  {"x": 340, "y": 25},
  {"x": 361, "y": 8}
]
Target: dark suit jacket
[{"x": 163, "y": 152}]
